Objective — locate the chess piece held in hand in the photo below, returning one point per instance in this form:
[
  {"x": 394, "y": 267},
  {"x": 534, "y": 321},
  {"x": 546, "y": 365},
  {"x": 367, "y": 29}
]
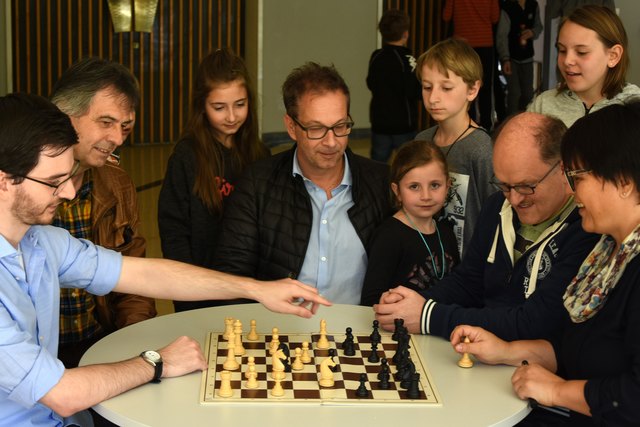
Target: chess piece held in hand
[{"x": 465, "y": 361}]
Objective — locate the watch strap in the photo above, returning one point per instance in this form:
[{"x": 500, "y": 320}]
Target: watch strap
[{"x": 157, "y": 366}]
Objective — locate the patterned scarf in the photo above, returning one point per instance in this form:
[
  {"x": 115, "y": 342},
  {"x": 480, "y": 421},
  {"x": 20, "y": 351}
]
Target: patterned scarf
[{"x": 597, "y": 277}]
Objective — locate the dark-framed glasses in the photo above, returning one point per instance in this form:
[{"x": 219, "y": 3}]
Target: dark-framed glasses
[
  {"x": 319, "y": 132},
  {"x": 524, "y": 189},
  {"x": 571, "y": 174},
  {"x": 57, "y": 185}
]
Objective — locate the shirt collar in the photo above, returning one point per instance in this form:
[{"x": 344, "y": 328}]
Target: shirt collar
[
  {"x": 30, "y": 239},
  {"x": 6, "y": 248},
  {"x": 346, "y": 177}
]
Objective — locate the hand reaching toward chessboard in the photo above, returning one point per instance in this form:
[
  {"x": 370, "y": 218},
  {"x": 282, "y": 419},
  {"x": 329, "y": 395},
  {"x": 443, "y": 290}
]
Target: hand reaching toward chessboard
[{"x": 290, "y": 297}]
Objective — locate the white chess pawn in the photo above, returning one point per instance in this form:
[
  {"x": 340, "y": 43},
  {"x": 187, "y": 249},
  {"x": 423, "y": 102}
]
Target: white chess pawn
[
  {"x": 253, "y": 335},
  {"x": 297, "y": 364},
  {"x": 277, "y": 390},
  {"x": 237, "y": 330},
  {"x": 465, "y": 361},
  {"x": 252, "y": 376},
  {"x": 306, "y": 358},
  {"x": 225, "y": 389},
  {"x": 323, "y": 343},
  {"x": 251, "y": 363},
  {"x": 275, "y": 343}
]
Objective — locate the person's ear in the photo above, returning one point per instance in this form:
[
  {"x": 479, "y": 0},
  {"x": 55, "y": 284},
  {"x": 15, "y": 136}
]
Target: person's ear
[
  {"x": 615, "y": 54},
  {"x": 394, "y": 188},
  {"x": 290, "y": 125},
  {"x": 473, "y": 90},
  {"x": 4, "y": 181},
  {"x": 625, "y": 187}
]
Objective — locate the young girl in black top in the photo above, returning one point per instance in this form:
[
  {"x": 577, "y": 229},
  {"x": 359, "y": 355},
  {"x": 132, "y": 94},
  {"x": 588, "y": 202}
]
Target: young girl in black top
[{"x": 412, "y": 248}]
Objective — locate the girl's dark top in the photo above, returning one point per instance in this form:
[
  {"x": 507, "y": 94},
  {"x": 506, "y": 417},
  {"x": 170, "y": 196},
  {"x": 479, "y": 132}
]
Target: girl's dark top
[{"x": 398, "y": 256}]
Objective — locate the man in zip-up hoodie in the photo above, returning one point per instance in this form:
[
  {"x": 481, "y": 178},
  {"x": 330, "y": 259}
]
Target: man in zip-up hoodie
[{"x": 527, "y": 246}]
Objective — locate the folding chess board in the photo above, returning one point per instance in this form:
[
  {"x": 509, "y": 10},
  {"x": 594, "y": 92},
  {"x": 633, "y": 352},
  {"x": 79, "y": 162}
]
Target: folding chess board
[{"x": 302, "y": 386}]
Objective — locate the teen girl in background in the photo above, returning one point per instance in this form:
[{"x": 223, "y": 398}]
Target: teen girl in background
[
  {"x": 593, "y": 63},
  {"x": 220, "y": 139}
]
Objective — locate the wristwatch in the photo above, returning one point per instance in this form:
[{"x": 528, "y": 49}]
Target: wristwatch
[{"x": 154, "y": 359}]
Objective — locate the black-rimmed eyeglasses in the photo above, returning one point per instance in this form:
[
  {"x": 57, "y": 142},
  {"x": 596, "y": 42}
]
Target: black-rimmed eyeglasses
[
  {"x": 319, "y": 132},
  {"x": 59, "y": 185},
  {"x": 570, "y": 174},
  {"x": 524, "y": 189}
]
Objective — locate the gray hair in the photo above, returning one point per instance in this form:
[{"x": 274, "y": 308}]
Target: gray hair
[{"x": 77, "y": 86}]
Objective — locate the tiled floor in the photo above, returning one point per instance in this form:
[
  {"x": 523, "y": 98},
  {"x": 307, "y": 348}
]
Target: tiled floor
[{"x": 146, "y": 165}]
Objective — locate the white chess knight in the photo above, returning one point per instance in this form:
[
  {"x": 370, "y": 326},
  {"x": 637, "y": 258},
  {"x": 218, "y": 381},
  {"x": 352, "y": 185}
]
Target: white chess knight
[
  {"x": 326, "y": 374},
  {"x": 278, "y": 367}
]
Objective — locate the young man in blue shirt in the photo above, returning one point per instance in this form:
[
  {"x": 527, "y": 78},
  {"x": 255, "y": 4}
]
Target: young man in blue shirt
[{"x": 36, "y": 167}]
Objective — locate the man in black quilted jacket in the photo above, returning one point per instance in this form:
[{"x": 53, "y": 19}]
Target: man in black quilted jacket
[{"x": 309, "y": 212}]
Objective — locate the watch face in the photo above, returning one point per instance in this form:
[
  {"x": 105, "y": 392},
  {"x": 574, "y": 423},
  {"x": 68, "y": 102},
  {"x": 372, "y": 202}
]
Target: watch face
[{"x": 154, "y": 356}]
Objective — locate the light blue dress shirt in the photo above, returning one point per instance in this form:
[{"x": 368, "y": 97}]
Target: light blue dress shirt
[
  {"x": 29, "y": 314},
  {"x": 336, "y": 260}
]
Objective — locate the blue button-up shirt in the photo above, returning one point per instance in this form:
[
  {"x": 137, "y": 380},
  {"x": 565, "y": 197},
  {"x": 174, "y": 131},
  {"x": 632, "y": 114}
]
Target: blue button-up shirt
[
  {"x": 29, "y": 314},
  {"x": 336, "y": 260}
]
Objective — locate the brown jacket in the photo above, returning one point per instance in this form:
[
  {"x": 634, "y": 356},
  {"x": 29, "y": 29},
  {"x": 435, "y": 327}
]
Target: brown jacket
[{"x": 115, "y": 225}]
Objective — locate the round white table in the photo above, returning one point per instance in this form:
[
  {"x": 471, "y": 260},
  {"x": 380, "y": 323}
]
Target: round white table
[{"x": 480, "y": 396}]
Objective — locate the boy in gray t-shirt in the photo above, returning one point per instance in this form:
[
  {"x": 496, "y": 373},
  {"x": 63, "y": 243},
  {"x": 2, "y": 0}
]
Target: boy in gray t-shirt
[{"x": 451, "y": 75}]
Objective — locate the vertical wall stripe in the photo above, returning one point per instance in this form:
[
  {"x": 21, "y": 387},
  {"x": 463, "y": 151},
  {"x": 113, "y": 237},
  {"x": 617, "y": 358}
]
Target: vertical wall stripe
[{"x": 49, "y": 35}]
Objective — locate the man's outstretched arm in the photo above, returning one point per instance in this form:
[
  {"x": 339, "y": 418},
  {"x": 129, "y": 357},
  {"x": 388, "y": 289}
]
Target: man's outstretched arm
[{"x": 166, "y": 279}]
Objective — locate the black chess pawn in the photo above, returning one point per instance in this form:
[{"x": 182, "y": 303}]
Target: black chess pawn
[
  {"x": 384, "y": 375},
  {"x": 373, "y": 357},
  {"x": 362, "y": 389},
  {"x": 413, "y": 392},
  {"x": 348, "y": 347},
  {"x": 384, "y": 367},
  {"x": 348, "y": 337},
  {"x": 375, "y": 335}
]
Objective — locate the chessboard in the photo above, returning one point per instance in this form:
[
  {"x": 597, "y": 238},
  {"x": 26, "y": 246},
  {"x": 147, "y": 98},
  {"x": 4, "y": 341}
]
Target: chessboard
[{"x": 303, "y": 385}]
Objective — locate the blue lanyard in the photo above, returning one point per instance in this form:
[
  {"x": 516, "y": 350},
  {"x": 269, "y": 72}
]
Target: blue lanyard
[{"x": 426, "y": 245}]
